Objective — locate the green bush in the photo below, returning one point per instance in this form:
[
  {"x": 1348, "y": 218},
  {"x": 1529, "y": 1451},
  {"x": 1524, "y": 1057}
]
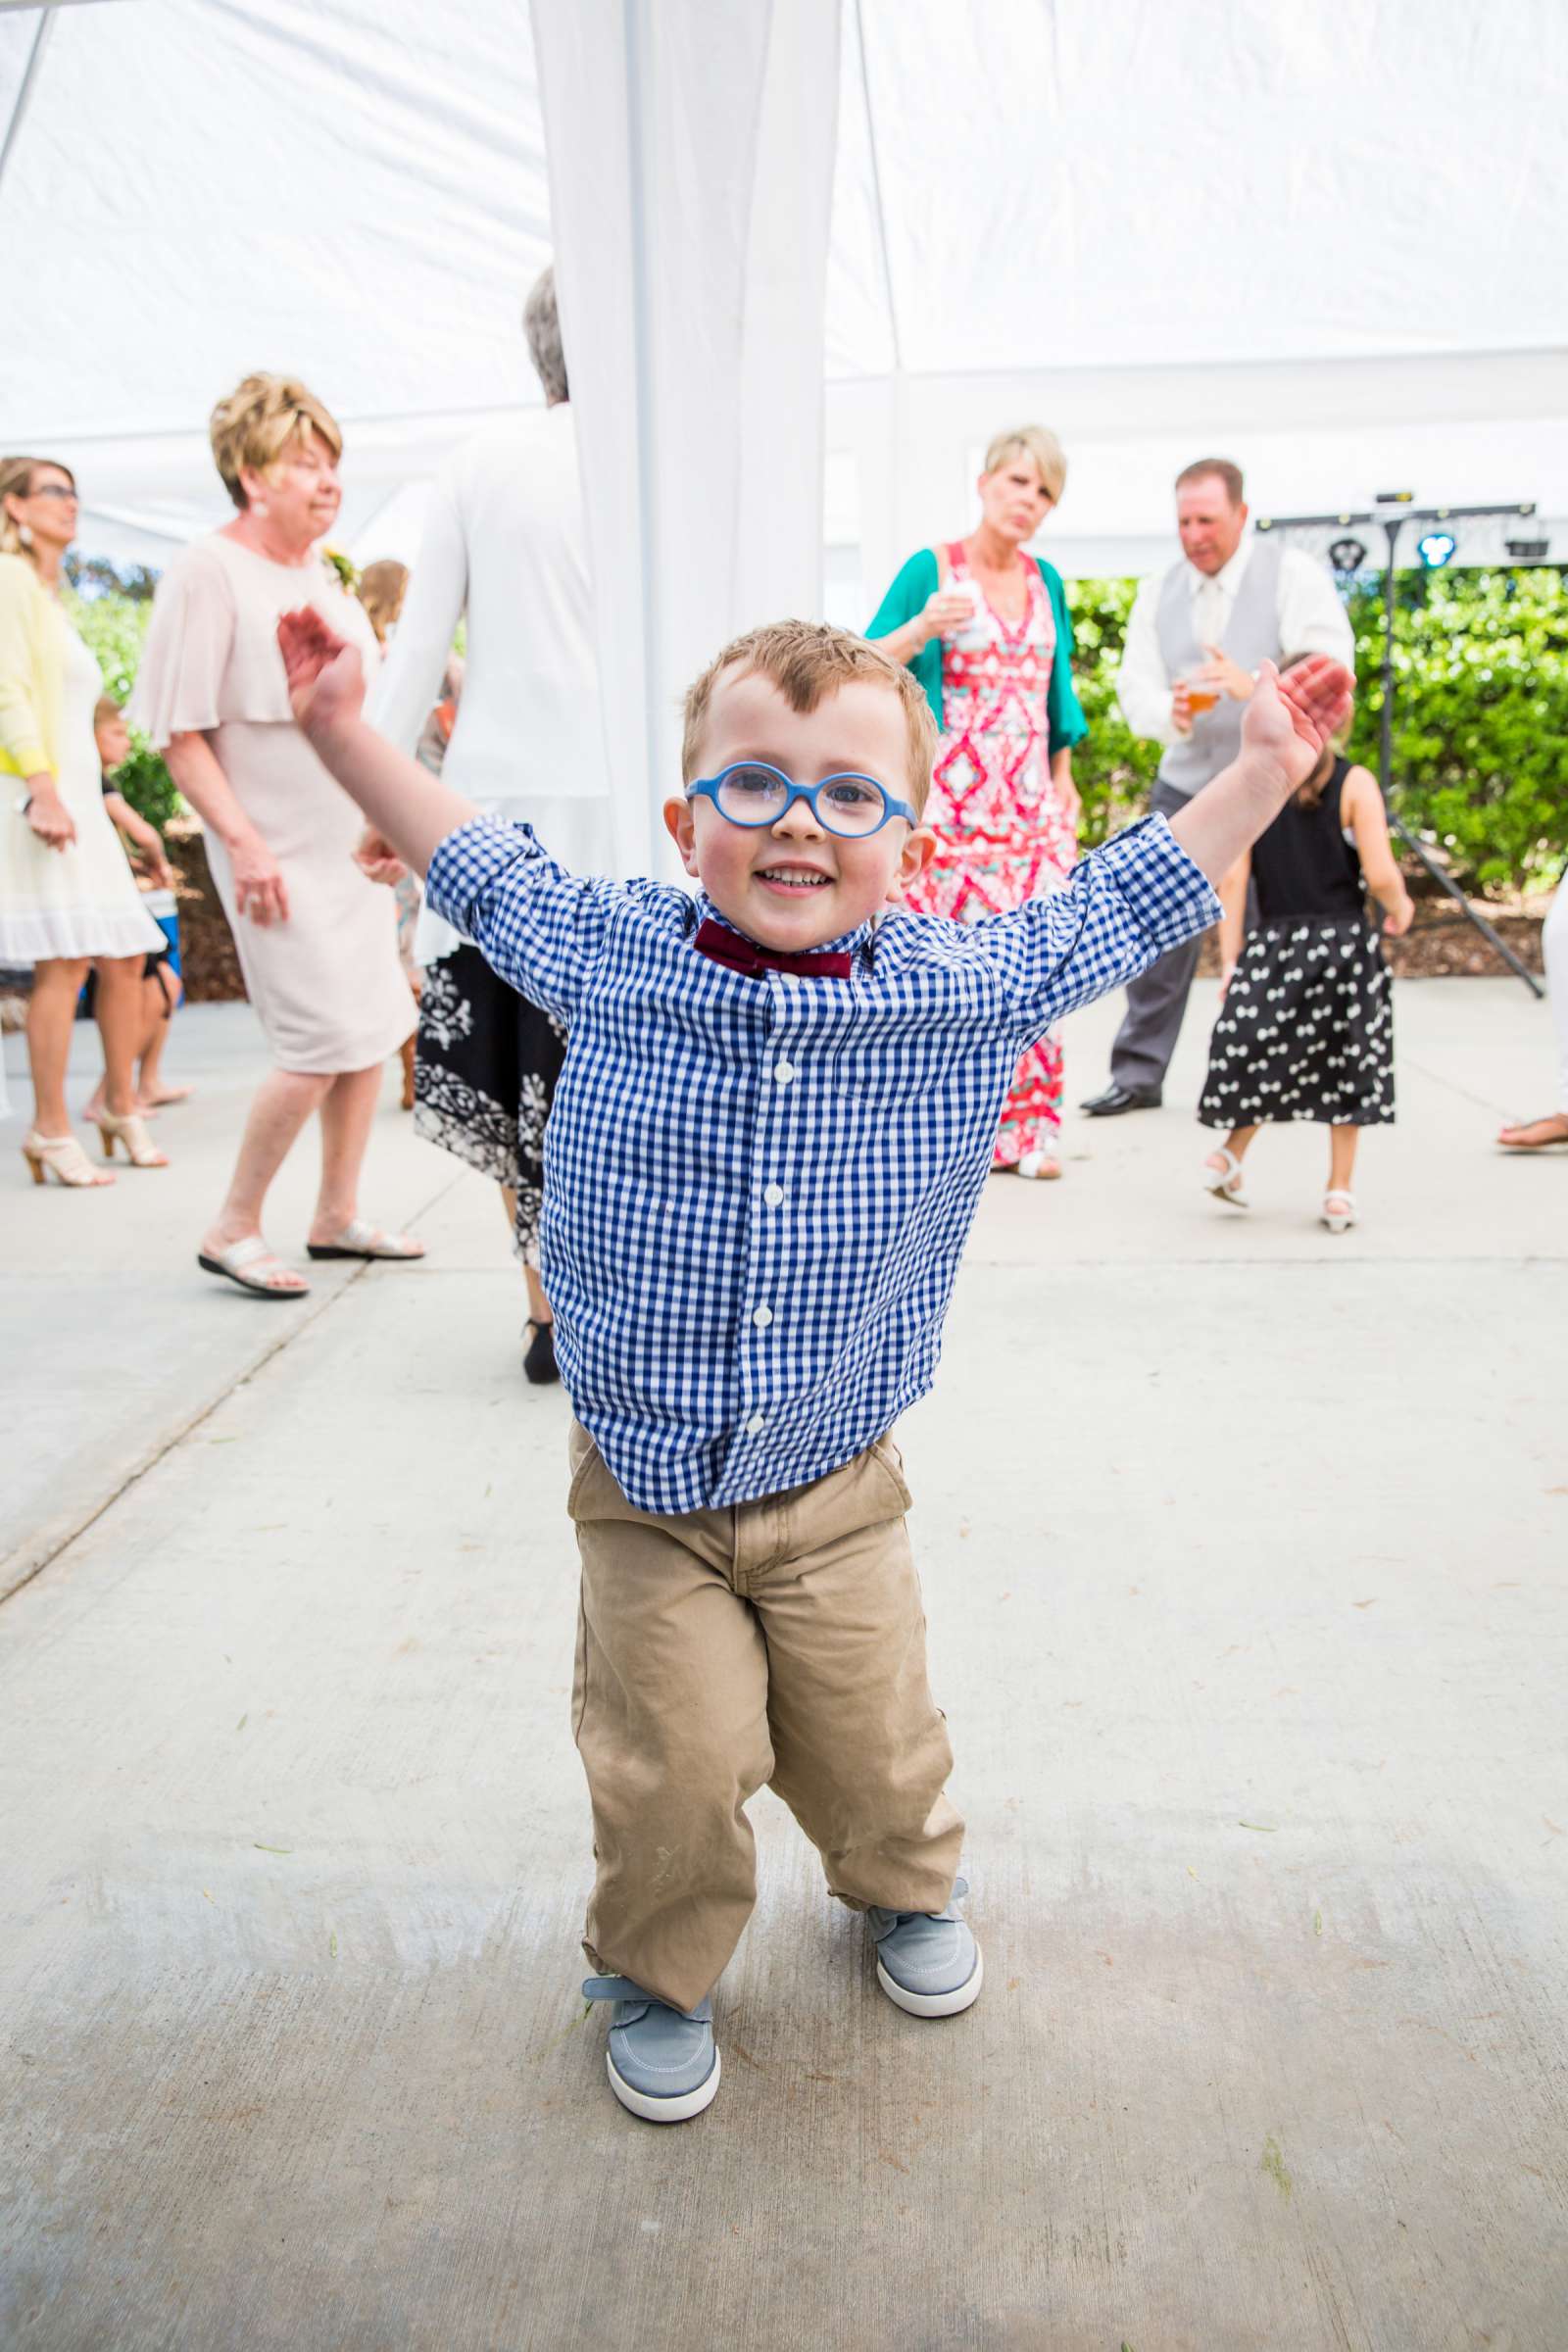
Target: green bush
[
  {"x": 115, "y": 628},
  {"x": 1113, "y": 767},
  {"x": 1480, "y": 715}
]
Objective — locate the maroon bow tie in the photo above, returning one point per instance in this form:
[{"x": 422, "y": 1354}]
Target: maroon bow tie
[{"x": 722, "y": 946}]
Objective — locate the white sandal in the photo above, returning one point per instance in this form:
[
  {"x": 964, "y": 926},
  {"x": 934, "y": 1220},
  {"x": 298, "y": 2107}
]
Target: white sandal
[
  {"x": 61, "y": 1157},
  {"x": 361, "y": 1239},
  {"x": 1039, "y": 1167},
  {"x": 1225, "y": 1182},
  {"x": 1341, "y": 1219},
  {"x": 243, "y": 1263}
]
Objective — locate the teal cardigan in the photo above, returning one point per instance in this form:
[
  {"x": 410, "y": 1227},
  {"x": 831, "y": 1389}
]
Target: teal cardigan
[{"x": 907, "y": 596}]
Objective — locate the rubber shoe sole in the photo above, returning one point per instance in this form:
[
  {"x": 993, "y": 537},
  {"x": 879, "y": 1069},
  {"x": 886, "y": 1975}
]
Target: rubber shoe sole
[
  {"x": 934, "y": 2004},
  {"x": 677, "y": 2110}
]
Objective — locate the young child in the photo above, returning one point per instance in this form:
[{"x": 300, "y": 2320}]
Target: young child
[
  {"x": 1306, "y": 1029},
  {"x": 161, "y": 986},
  {"x": 773, "y": 1125}
]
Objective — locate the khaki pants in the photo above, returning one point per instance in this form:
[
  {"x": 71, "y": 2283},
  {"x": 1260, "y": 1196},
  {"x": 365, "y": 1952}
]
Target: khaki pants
[{"x": 779, "y": 1642}]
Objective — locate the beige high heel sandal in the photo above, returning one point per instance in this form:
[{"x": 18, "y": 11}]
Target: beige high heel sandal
[
  {"x": 61, "y": 1157},
  {"x": 132, "y": 1132}
]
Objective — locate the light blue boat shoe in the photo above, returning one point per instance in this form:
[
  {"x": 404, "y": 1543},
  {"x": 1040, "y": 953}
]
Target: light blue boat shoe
[
  {"x": 927, "y": 1961},
  {"x": 664, "y": 2062}
]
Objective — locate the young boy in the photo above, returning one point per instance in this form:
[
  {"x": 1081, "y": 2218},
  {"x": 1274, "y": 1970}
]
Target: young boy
[
  {"x": 770, "y": 1135},
  {"x": 160, "y": 983}
]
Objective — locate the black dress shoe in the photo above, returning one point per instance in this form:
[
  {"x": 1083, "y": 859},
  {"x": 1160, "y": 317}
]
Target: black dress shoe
[
  {"x": 1117, "y": 1098},
  {"x": 539, "y": 1357}
]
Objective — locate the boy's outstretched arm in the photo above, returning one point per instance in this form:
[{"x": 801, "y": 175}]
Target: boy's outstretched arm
[
  {"x": 404, "y": 802},
  {"x": 1287, "y": 722}
]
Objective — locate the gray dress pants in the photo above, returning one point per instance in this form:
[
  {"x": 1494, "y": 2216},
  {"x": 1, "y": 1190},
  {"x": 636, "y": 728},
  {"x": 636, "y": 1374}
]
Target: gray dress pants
[{"x": 1158, "y": 998}]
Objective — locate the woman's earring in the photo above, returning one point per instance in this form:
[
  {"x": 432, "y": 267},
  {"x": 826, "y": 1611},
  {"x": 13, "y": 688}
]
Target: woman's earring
[
  {"x": 258, "y": 505},
  {"x": 25, "y": 533}
]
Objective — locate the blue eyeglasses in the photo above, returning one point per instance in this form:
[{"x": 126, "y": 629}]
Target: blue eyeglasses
[{"x": 752, "y": 793}]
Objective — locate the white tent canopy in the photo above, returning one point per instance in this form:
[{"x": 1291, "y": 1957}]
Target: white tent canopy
[{"x": 1320, "y": 239}]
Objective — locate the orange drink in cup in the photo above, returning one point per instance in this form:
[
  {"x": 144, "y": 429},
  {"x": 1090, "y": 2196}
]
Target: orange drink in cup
[{"x": 1201, "y": 695}]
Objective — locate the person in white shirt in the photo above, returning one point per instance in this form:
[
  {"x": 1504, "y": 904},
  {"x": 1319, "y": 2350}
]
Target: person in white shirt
[
  {"x": 505, "y": 544},
  {"x": 1191, "y": 656},
  {"x": 1545, "y": 1134}
]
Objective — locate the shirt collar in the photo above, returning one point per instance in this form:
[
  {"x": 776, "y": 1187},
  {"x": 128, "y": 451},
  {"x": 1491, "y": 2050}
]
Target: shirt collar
[
  {"x": 847, "y": 942},
  {"x": 1229, "y": 575}
]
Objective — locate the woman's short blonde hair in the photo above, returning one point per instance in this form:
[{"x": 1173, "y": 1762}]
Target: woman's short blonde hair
[
  {"x": 16, "y": 481},
  {"x": 258, "y": 421},
  {"x": 1036, "y": 441}
]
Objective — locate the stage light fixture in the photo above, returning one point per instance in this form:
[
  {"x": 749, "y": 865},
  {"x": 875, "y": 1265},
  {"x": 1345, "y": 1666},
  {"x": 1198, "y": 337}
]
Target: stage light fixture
[
  {"x": 1436, "y": 548},
  {"x": 1346, "y": 555}
]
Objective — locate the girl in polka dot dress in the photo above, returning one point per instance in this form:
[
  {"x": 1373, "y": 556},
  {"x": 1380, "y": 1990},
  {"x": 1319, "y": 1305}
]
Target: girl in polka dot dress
[{"x": 1305, "y": 1026}]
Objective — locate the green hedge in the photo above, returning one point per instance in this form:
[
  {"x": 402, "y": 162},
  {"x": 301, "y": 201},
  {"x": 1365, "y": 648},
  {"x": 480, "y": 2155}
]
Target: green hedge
[
  {"x": 1480, "y": 737},
  {"x": 1480, "y": 715}
]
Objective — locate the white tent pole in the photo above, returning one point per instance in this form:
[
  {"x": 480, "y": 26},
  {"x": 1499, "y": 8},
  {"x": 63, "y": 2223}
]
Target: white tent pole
[
  {"x": 643, "y": 387},
  {"x": 691, "y": 272},
  {"x": 876, "y": 189},
  {"x": 46, "y": 26}
]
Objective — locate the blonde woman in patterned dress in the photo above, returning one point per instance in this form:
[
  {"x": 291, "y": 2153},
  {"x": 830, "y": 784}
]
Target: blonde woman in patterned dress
[{"x": 986, "y": 629}]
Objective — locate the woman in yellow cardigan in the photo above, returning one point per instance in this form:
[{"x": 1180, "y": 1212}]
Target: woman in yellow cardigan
[{"x": 67, "y": 894}]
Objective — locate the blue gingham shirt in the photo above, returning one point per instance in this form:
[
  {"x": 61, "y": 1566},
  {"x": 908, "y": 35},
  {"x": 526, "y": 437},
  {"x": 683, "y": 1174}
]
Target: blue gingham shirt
[{"x": 757, "y": 1188}]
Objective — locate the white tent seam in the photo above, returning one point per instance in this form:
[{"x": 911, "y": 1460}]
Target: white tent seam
[
  {"x": 876, "y": 192},
  {"x": 25, "y": 90}
]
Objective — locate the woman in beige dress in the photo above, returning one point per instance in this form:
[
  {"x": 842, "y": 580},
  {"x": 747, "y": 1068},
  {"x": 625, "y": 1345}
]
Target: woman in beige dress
[{"x": 317, "y": 939}]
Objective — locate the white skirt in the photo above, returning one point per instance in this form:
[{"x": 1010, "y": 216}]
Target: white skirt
[{"x": 80, "y": 901}]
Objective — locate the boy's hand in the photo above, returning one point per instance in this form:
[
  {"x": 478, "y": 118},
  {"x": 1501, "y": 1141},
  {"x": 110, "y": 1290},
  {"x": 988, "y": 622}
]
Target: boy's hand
[
  {"x": 155, "y": 864},
  {"x": 1290, "y": 719},
  {"x": 377, "y": 860},
  {"x": 324, "y": 672}
]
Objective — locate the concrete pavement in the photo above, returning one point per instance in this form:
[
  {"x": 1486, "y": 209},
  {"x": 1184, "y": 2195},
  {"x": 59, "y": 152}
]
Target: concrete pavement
[{"x": 1247, "y": 1563}]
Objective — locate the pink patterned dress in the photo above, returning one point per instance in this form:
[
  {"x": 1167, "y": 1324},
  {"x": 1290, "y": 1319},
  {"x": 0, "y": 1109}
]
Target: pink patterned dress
[{"x": 1003, "y": 834}]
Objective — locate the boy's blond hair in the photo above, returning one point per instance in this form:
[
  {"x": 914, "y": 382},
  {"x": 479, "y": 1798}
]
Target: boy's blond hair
[
  {"x": 1308, "y": 793},
  {"x": 806, "y": 660}
]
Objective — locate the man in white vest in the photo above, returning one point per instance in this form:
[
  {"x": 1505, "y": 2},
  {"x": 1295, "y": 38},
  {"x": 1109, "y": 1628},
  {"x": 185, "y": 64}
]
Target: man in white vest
[{"x": 1192, "y": 648}]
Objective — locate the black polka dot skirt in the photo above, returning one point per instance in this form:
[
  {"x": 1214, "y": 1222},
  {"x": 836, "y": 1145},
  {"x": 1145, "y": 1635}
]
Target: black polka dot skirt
[{"x": 1305, "y": 1030}]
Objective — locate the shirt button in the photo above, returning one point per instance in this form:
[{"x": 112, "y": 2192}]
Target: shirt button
[
  {"x": 773, "y": 1195},
  {"x": 762, "y": 1318},
  {"x": 753, "y": 1425},
  {"x": 783, "y": 1071}
]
